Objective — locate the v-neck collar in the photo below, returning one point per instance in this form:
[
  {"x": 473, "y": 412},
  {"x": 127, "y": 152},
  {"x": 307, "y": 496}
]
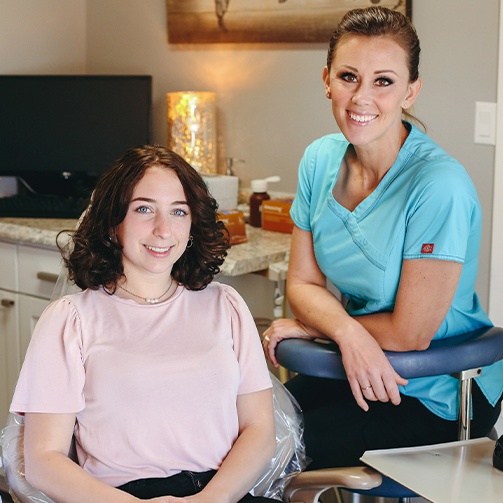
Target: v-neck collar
[{"x": 369, "y": 202}]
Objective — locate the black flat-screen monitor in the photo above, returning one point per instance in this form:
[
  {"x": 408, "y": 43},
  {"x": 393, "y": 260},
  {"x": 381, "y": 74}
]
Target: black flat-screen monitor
[{"x": 59, "y": 132}]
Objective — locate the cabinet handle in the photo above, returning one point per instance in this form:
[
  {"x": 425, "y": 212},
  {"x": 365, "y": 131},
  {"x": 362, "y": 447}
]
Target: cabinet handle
[
  {"x": 7, "y": 302},
  {"x": 47, "y": 276}
]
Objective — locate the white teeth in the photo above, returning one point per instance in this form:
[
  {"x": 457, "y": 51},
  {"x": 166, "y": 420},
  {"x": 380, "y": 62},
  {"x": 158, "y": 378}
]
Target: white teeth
[
  {"x": 157, "y": 250},
  {"x": 362, "y": 118}
]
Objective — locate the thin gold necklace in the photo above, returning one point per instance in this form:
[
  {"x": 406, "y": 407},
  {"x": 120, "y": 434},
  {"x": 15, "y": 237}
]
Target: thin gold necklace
[{"x": 148, "y": 300}]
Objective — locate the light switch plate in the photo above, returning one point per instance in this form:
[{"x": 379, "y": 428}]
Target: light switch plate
[{"x": 485, "y": 122}]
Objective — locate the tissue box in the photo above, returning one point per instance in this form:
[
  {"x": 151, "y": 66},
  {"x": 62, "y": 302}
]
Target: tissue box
[
  {"x": 224, "y": 189},
  {"x": 276, "y": 215},
  {"x": 234, "y": 220}
]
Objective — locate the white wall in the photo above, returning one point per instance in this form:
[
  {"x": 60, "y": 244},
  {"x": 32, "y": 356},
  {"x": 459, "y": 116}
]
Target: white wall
[
  {"x": 270, "y": 97},
  {"x": 496, "y": 278},
  {"x": 459, "y": 67},
  {"x": 42, "y": 37}
]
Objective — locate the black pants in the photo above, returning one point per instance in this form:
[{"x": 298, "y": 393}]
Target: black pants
[
  {"x": 337, "y": 431},
  {"x": 182, "y": 484}
]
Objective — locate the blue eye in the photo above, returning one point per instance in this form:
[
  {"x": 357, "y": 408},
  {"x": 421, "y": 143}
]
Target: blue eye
[
  {"x": 143, "y": 209},
  {"x": 180, "y": 212}
]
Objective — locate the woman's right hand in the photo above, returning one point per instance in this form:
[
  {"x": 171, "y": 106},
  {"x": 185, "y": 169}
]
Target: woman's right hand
[{"x": 283, "y": 328}]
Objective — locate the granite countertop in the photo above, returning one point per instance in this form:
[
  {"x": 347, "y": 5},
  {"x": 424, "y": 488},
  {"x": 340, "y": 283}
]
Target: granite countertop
[{"x": 262, "y": 248}]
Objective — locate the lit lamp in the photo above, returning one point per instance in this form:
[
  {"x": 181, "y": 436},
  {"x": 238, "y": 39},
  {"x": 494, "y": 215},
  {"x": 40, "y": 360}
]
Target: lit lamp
[{"x": 192, "y": 129}]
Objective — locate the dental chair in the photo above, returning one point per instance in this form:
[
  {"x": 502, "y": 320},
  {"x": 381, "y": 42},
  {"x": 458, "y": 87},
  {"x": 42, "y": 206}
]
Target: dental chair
[{"x": 463, "y": 356}]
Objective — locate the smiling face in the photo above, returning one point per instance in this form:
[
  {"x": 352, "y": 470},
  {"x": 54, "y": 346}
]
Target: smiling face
[
  {"x": 369, "y": 84},
  {"x": 156, "y": 229}
]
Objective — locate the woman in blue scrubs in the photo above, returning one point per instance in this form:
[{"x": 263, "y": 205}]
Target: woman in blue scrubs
[{"x": 394, "y": 223}]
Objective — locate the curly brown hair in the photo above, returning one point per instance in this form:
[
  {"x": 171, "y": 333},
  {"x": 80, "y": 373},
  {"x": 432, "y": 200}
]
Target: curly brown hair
[{"x": 93, "y": 256}]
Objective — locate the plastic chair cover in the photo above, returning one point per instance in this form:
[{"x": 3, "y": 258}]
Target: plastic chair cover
[
  {"x": 290, "y": 456},
  {"x": 12, "y": 444}
]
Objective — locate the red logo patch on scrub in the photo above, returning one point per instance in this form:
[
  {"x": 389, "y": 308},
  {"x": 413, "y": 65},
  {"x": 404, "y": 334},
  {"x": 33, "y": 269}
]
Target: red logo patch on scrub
[{"x": 427, "y": 248}]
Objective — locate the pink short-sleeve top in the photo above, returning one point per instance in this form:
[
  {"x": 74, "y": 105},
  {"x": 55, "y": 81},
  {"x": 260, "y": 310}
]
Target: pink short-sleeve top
[{"x": 154, "y": 387}]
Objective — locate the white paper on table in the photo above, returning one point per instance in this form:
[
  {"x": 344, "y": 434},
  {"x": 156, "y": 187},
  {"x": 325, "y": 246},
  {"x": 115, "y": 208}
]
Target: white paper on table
[{"x": 455, "y": 472}]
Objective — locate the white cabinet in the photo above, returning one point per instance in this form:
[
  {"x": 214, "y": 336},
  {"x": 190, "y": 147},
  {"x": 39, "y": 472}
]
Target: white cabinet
[
  {"x": 27, "y": 278},
  {"x": 9, "y": 349}
]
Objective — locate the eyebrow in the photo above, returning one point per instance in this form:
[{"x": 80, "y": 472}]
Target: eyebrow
[
  {"x": 377, "y": 72},
  {"x": 151, "y": 200}
]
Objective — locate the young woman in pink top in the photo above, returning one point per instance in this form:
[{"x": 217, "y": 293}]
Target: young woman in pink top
[{"x": 155, "y": 370}]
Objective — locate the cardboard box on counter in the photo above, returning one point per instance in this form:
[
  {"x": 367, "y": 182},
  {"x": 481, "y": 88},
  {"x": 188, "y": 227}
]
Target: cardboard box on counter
[
  {"x": 234, "y": 220},
  {"x": 276, "y": 215}
]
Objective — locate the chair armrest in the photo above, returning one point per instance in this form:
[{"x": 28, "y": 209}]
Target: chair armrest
[
  {"x": 307, "y": 485},
  {"x": 478, "y": 348}
]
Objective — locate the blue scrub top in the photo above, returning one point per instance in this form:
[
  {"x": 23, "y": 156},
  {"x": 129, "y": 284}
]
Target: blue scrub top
[{"x": 425, "y": 207}]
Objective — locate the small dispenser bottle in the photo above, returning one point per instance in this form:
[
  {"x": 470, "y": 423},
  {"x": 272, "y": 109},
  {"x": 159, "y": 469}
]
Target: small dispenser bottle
[{"x": 259, "y": 194}]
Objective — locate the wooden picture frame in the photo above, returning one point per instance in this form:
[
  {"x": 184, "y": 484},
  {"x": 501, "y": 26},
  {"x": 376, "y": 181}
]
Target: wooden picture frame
[{"x": 252, "y": 21}]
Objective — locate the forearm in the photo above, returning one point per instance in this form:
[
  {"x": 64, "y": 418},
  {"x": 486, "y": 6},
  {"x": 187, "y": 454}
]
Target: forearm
[
  {"x": 320, "y": 310},
  {"x": 242, "y": 466},
  {"x": 388, "y": 333},
  {"x": 424, "y": 296},
  {"x": 409, "y": 327},
  {"x": 324, "y": 314},
  {"x": 66, "y": 482},
  {"x": 250, "y": 453}
]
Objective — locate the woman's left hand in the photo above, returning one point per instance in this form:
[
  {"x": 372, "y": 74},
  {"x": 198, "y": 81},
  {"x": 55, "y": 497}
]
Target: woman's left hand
[{"x": 283, "y": 328}]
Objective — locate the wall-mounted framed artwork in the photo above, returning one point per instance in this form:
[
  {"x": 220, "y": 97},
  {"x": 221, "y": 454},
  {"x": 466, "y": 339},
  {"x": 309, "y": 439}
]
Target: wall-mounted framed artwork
[{"x": 251, "y": 21}]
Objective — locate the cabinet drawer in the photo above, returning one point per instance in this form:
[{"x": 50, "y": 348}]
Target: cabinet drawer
[
  {"x": 38, "y": 270},
  {"x": 8, "y": 266}
]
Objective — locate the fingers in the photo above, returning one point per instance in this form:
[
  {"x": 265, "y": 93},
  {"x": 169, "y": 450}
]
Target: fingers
[
  {"x": 377, "y": 388},
  {"x": 280, "y": 329},
  {"x": 270, "y": 349},
  {"x": 358, "y": 394},
  {"x": 392, "y": 388}
]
